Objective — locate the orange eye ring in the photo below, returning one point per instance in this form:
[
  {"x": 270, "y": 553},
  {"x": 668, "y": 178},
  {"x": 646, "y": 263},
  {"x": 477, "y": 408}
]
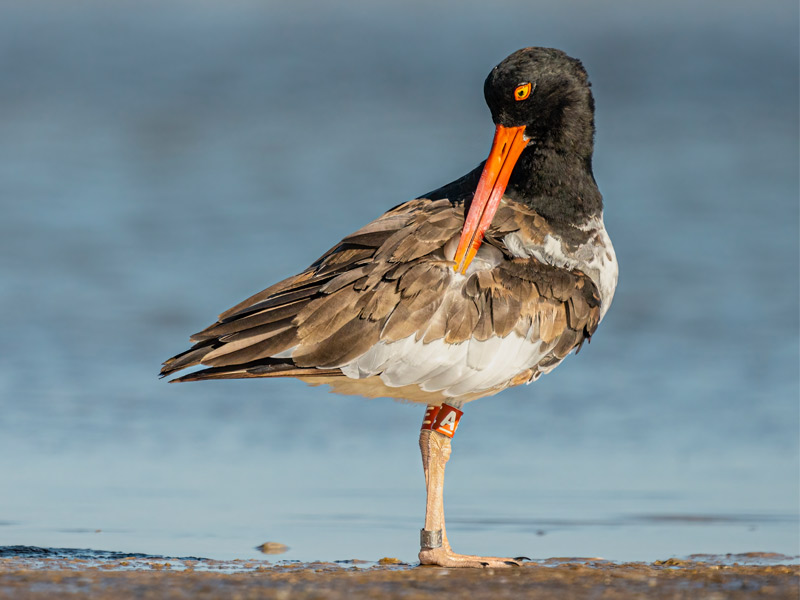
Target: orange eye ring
[{"x": 522, "y": 92}]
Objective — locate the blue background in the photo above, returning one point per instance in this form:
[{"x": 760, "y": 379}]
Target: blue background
[{"x": 160, "y": 161}]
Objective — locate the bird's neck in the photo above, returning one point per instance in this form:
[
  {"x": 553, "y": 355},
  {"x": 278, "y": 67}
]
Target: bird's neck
[{"x": 558, "y": 184}]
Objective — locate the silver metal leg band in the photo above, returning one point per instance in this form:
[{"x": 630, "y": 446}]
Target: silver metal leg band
[{"x": 428, "y": 540}]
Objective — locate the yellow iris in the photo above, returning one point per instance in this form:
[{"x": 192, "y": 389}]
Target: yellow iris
[{"x": 522, "y": 92}]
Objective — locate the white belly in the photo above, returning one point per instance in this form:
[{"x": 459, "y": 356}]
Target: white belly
[{"x": 454, "y": 370}]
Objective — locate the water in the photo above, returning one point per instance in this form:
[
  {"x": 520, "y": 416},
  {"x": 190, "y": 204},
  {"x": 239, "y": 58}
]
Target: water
[{"x": 153, "y": 160}]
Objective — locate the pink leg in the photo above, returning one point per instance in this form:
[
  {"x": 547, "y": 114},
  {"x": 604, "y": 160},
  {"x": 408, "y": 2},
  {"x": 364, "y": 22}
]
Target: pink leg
[{"x": 435, "y": 549}]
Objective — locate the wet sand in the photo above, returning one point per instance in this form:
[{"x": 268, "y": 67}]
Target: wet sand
[{"x": 22, "y": 578}]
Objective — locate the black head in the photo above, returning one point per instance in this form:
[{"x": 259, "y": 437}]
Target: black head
[{"x": 548, "y": 92}]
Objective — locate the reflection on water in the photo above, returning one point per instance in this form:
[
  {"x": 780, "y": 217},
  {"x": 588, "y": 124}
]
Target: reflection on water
[{"x": 159, "y": 162}]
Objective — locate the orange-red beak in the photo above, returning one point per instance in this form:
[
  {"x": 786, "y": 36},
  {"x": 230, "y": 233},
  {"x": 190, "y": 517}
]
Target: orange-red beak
[{"x": 508, "y": 144}]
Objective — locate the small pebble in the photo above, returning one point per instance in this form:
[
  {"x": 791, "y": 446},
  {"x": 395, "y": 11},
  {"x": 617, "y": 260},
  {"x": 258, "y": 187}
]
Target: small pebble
[{"x": 272, "y": 548}]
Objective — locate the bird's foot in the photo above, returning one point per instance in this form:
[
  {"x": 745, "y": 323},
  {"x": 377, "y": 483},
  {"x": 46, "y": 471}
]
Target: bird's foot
[{"x": 445, "y": 557}]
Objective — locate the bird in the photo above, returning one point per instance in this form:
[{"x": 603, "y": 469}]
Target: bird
[{"x": 487, "y": 282}]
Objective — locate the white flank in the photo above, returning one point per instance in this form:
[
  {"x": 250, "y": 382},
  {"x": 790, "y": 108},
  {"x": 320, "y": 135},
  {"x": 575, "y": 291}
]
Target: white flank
[{"x": 452, "y": 369}]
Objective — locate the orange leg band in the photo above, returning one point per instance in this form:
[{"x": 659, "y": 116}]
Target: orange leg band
[{"x": 442, "y": 419}]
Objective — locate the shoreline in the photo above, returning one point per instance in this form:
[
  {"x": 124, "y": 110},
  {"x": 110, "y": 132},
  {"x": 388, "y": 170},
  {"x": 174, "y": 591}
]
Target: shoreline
[{"x": 33, "y": 578}]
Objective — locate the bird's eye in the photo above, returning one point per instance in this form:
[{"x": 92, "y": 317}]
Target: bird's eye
[{"x": 522, "y": 91}]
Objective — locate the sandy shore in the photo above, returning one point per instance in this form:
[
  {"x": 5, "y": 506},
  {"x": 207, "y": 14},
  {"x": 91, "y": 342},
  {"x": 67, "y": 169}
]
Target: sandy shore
[{"x": 557, "y": 579}]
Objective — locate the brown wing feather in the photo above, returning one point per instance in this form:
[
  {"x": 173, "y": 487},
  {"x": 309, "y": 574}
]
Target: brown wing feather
[
  {"x": 390, "y": 280},
  {"x": 363, "y": 269}
]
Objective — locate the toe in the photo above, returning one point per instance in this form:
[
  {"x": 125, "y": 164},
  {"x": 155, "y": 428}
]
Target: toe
[{"x": 447, "y": 558}]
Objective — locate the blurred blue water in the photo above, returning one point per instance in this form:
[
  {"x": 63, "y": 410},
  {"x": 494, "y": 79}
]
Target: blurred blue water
[{"x": 154, "y": 158}]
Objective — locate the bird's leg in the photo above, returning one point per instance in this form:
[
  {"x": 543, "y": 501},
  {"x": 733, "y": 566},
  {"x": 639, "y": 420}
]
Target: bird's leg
[{"x": 434, "y": 442}]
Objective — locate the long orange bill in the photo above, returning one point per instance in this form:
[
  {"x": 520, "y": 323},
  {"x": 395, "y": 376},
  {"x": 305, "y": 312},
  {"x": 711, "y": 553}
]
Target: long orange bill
[{"x": 508, "y": 144}]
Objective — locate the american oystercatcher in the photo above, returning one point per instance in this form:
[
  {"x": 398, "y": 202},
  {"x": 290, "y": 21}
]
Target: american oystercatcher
[{"x": 485, "y": 283}]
